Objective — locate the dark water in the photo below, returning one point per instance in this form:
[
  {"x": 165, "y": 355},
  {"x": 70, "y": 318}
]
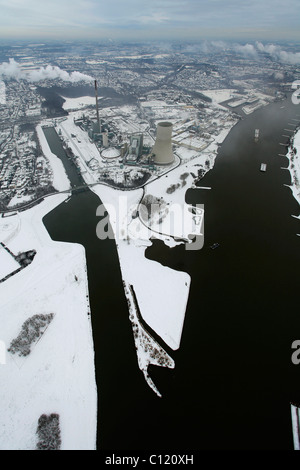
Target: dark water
[{"x": 234, "y": 379}]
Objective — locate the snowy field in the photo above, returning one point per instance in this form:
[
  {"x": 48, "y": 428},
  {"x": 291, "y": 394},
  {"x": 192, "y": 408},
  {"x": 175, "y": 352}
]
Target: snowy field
[
  {"x": 161, "y": 293},
  {"x": 7, "y": 263},
  {"x": 218, "y": 96},
  {"x": 78, "y": 103},
  {"x": 58, "y": 375}
]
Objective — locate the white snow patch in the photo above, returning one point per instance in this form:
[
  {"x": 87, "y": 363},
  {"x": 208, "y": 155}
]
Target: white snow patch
[{"x": 79, "y": 103}]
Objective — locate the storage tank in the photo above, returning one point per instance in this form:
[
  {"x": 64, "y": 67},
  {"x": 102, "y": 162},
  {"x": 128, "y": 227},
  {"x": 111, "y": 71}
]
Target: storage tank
[{"x": 162, "y": 149}]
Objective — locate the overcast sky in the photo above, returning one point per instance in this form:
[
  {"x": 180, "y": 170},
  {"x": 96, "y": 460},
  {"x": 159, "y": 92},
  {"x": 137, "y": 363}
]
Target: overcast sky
[{"x": 148, "y": 19}]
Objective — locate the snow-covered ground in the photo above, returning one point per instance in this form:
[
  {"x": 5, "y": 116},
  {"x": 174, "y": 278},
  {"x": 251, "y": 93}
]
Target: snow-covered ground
[
  {"x": 218, "y": 96},
  {"x": 58, "y": 375},
  {"x": 19, "y": 200},
  {"x": 7, "y": 263},
  {"x": 294, "y": 165},
  {"x": 2, "y": 92},
  {"x": 78, "y": 103},
  {"x": 158, "y": 293},
  {"x": 60, "y": 180}
]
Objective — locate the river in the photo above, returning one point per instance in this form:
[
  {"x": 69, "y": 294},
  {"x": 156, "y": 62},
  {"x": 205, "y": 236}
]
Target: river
[{"x": 234, "y": 379}]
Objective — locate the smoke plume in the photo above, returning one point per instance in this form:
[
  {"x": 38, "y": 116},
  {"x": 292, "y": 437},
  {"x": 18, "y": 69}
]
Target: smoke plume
[
  {"x": 13, "y": 70},
  {"x": 279, "y": 54}
]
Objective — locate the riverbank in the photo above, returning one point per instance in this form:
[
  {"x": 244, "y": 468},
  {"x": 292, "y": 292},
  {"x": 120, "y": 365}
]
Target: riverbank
[
  {"x": 60, "y": 180},
  {"x": 294, "y": 165},
  {"x": 57, "y": 376}
]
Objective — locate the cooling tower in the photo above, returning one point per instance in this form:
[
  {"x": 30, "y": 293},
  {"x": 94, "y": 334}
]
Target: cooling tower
[{"x": 162, "y": 149}]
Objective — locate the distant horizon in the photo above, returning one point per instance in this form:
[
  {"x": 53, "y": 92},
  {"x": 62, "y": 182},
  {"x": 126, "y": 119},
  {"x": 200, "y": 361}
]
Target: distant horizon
[
  {"x": 183, "y": 20},
  {"x": 285, "y": 52},
  {"x": 40, "y": 40},
  {"x": 43, "y": 41}
]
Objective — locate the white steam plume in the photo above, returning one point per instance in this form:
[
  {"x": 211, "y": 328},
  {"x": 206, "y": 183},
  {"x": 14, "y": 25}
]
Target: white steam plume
[
  {"x": 246, "y": 50},
  {"x": 12, "y": 69},
  {"x": 279, "y": 54}
]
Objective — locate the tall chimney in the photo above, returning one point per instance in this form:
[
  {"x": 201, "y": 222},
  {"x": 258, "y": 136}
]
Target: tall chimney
[{"x": 97, "y": 106}]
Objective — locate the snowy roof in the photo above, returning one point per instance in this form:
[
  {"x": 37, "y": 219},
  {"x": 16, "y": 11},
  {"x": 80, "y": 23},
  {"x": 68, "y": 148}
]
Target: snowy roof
[{"x": 110, "y": 152}]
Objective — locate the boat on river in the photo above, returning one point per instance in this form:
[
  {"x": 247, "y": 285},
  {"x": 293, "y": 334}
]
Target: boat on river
[
  {"x": 263, "y": 167},
  {"x": 214, "y": 246}
]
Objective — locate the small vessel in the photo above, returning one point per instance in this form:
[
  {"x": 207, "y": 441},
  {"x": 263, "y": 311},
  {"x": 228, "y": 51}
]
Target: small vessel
[
  {"x": 256, "y": 135},
  {"x": 295, "y": 412},
  {"x": 263, "y": 167},
  {"x": 214, "y": 246}
]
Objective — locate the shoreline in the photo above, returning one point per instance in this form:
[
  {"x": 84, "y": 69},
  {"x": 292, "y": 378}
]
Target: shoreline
[{"x": 294, "y": 165}]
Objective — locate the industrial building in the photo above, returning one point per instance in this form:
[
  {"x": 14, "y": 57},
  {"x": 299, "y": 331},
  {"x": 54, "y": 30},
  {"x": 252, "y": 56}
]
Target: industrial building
[{"x": 135, "y": 147}]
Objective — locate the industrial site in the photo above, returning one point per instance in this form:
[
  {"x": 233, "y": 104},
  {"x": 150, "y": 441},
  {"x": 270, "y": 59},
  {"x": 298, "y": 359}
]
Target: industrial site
[
  {"x": 137, "y": 88},
  {"x": 123, "y": 148}
]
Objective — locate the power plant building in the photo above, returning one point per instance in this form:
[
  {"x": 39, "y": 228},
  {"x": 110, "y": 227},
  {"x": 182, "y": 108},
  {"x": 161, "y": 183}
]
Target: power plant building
[
  {"x": 135, "y": 147},
  {"x": 162, "y": 150}
]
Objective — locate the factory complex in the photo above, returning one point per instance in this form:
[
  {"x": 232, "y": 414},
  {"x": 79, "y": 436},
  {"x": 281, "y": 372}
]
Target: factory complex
[{"x": 128, "y": 146}]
